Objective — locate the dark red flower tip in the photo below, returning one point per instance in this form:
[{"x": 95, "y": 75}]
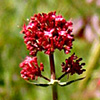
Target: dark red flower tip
[
  {"x": 72, "y": 65},
  {"x": 30, "y": 68},
  {"x": 47, "y": 32}
]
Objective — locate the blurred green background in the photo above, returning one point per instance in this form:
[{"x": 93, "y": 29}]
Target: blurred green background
[{"x": 85, "y": 15}]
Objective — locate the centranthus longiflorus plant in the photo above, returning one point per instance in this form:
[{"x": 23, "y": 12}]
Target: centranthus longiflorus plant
[{"x": 46, "y": 33}]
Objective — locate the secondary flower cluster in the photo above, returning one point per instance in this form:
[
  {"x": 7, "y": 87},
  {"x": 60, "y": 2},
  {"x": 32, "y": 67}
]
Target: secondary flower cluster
[
  {"x": 47, "y": 32},
  {"x": 31, "y": 70},
  {"x": 72, "y": 65}
]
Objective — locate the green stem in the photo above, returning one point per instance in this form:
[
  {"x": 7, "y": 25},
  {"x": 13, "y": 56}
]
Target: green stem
[
  {"x": 54, "y": 92},
  {"x": 53, "y": 77}
]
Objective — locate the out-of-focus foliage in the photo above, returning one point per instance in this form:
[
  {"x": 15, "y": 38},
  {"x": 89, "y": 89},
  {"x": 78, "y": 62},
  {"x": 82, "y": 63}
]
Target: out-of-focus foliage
[{"x": 14, "y": 13}]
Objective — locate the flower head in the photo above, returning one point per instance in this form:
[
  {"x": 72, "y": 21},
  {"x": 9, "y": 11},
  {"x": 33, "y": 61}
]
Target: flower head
[
  {"x": 30, "y": 68},
  {"x": 72, "y": 65},
  {"x": 47, "y": 32}
]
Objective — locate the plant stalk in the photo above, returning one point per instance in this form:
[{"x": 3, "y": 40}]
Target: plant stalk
[{"x": 53, "y": 77}]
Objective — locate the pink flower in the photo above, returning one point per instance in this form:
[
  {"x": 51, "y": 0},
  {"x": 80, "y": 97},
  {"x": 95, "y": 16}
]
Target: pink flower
[
  {"x": 72, "y": 65},
  {"x": 30, "y": 68},
  {"x": 47, "y": 32}
]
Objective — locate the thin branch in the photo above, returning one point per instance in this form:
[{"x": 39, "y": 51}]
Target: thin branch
[
  {"x": 45, "y": 78},
  {"x": 68, "y": 83},
  {"x": 62, "y": 75},
  {"x": 37, "y": 84}
]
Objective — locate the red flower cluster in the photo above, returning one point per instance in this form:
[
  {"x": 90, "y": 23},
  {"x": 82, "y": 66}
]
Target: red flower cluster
[
  {"x": 31, "y": 70},
  {"x": 47, "y": 32},
  {"x": 72, "y": 65}
]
